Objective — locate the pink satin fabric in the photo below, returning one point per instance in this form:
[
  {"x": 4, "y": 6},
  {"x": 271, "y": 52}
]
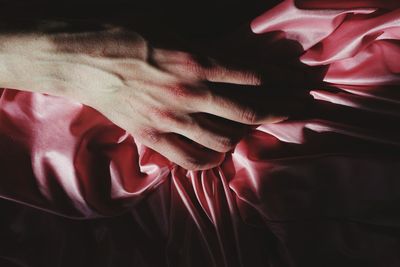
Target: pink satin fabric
[{"x": 341, "y": 162}]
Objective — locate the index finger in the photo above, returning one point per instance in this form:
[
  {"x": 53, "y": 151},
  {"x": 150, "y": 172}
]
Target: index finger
[
  {"x": 190, "y": 66},
  {"x": 251, "y": 106}
]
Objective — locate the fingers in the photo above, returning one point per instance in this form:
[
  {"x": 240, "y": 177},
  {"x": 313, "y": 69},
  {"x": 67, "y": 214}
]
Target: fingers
[
  {"x": 189, "y": 66},
  {"x": 214, "y": 133},
  {"x": 181, "y": 151},
  {"x": 250, "y": 105},
  {"x": 225, "y": 74},
  {"x": 266, "y": 111},
  {"x": 193, "y": 67}
]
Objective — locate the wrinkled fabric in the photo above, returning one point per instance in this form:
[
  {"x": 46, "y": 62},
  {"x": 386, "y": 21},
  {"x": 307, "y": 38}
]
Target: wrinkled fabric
[{"x": 326, "y": 184}]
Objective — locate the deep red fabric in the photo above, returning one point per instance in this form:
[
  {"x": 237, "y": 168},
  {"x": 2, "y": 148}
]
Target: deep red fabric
[{"x": 326, "y": 183}]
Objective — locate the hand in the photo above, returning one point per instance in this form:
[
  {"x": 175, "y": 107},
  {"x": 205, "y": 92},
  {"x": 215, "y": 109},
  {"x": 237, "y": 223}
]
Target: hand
[{"x": 161, "y": 96}]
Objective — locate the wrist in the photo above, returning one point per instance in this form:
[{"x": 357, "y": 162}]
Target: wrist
[
  {"x": 83, "y": 66},
  {"x": 25, "y": 63}
]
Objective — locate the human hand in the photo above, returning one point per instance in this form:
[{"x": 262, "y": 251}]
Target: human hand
[{"x": 162, "y": 97}]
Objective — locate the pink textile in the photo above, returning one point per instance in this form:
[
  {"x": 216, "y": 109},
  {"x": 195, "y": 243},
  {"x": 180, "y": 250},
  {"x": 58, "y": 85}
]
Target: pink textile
[{"x": 342, "y": 161}]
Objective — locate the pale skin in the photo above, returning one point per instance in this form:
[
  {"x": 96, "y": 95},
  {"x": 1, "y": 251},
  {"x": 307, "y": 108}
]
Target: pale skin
[{"x": 160, "y": 96}]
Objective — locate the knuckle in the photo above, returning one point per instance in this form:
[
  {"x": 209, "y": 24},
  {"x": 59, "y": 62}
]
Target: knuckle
[
  {"x": 226, "y": 143},
  {"x": 193, "y": 163},
  {"x": 187, "y": 93},
  {"x": 179, "y": 91},
  {"x": 249, "y": 115},
  {"x": 165, "y": 118},
  {"x": 192, "y": 65},
  {"x": 172, "y": 121},
  {"x": 148, "y": 136}
]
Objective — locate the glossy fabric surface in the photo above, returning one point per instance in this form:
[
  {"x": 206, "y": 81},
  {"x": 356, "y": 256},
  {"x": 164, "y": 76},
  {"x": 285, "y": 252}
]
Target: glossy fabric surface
[{"x": 326, "y": 184}]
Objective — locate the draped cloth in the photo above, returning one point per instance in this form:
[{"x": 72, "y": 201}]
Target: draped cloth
[{"x": 319, "y": 190}]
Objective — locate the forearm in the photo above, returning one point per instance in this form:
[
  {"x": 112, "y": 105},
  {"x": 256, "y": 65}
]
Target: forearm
[
  {"x": 24, "y": 61},
  {"x": 57, "y": 58}
]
